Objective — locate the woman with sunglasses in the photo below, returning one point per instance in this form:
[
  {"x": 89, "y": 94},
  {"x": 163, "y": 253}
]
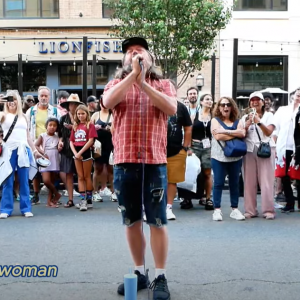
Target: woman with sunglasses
[
  {"x": 28, "y": 102},
  {"x": 259, "y": 125},
  {"x": 225, "y": 126},
  {"x": 16, "y": 155}
]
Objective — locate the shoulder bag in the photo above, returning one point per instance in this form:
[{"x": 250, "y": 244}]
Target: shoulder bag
[
  {"x": 264, "y": 149},
  {"x": 9, "y": 132},
  {"x": 235, "y": 147}
]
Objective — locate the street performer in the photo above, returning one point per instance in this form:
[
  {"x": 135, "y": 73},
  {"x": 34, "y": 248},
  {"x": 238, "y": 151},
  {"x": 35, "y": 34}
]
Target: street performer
[{"x": 141, "y": 102}]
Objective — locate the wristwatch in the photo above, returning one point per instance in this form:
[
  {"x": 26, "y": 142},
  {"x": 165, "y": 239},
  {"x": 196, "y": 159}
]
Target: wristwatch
[{"x": 186, "y": 148}]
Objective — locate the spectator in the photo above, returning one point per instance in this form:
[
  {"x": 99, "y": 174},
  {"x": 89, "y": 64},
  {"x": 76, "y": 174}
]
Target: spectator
[
  {"x": 226, "y": 126},
  {"x": 62, "y": 97},
  {"x": 258, "y": 126},
  {"x": 17, "y": 155}
]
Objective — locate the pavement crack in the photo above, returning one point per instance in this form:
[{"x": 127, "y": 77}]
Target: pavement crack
[
  {"x": 239, "y": 280},
  {"x": 171, "y": 281}
]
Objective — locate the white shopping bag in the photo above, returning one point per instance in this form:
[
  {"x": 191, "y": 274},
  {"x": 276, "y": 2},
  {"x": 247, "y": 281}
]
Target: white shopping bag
[{"x": 193, "y": 169}]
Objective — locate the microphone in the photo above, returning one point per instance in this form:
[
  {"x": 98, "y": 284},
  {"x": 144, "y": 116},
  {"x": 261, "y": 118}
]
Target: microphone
[{"x": 141, "y": 63}]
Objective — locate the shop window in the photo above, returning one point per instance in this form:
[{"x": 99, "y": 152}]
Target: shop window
[
  {"x": 106, "y": 11},
  {"x": 261, "y": 5},
  {"x": 72, "y": 75},
  {"x": 257, "y": 73},
  {"x": 18, "y": 9},
  {"x": 33, "y": 77}
]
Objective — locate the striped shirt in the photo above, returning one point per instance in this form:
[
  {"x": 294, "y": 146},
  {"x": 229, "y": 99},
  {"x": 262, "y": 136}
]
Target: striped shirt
[{"x": 140, "y": 128}]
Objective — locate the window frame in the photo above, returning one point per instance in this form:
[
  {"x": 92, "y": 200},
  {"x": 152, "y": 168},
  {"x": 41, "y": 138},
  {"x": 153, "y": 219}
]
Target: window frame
[
  {"x": 28, "y": 18},
  {"x": 262, "y": 10},
  {"x": 103, "y": 6}
]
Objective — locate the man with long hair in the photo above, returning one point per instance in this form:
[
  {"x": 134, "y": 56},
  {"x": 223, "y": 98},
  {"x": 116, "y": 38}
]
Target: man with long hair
[{"x": 141, "y": 102}]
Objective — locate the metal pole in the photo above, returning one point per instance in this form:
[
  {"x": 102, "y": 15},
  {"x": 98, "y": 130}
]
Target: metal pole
[
  {"x": 213, "y": 75},
  {"x": 20, "y": 75},
  {"x": 235, "y": 67},
  {"x": 84, "y": 70},
  {"x": 95, "y": 75},
  {"x": 285, "y": 79}
]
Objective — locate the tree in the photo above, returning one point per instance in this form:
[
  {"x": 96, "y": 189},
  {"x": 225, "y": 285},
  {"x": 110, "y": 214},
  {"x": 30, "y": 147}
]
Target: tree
[{"x": 181, "y": 33}]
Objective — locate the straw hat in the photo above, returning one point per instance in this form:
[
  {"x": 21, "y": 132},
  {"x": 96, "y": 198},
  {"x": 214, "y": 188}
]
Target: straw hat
[{"x": 73, "y": 98}]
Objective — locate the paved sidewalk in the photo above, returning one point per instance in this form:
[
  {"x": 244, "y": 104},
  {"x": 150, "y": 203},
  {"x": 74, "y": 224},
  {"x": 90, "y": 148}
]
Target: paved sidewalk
[{"x": 254, "y": 259}]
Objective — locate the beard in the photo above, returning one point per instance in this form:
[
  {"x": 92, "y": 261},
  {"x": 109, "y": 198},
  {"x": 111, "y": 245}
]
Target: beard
[{"x": 193, "y": 101}]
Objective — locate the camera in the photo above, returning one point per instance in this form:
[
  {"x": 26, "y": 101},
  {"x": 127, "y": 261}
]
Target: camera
[{"x": 7, "y": 98}]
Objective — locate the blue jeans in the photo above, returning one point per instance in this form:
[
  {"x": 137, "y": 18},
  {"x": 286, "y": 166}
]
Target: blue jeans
[
  {"x": 7, "y": 201},
  {"x": 221, "y": 169},
  {"x": 130, "y": 190}
]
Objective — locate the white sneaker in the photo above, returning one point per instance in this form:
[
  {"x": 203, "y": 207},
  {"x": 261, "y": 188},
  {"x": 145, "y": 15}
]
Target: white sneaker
[
  {"x": 97, "y": 197},
  {"x": 3, "y": 216},
  {"x": 75, "y": 194},
  {"x": 105, "y": 192},
  {"x": 44, "y": 190},
  {"x": 237, "y": 215},
  {"x": 78, "y": 205},
  {"x": 28, "y": 214},
  {"x": 113, "y": 197},
  {"x": 277, "y": 205},
  {"x": 170, "y": 215},
  {"x": 83, "y": 206},
  {"x": 217, "y": 215}
]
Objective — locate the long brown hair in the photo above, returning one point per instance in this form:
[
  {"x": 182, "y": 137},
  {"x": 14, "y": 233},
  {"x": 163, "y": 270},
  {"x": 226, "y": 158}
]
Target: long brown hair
[
  {"x": 88, "y": 118},
  {"x": 234, "y": 114}
]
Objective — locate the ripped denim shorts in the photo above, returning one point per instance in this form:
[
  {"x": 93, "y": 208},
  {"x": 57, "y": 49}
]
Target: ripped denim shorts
[{"x": 129, "y": 188}]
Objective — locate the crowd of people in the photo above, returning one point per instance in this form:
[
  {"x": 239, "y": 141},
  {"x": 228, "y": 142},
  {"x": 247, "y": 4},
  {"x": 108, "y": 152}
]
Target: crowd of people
[{"x": 132, "y": 145}]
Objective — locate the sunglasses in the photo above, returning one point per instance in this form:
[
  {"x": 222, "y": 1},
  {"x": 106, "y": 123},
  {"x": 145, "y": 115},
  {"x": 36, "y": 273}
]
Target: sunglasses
[
  {"x": 30, "y": 100},
  {"x": 225, "y": 104}
]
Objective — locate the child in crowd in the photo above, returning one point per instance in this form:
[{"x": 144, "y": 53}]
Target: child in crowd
[
  {"x": 81, "y": 141},
  {"x": 49, "y": 142}
]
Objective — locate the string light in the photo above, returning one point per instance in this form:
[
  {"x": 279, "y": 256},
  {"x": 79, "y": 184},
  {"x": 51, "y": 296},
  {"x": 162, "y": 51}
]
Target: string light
[
  {"x": 50, "y": 63},
  {"x": 4, "y": 64},
  {"x": 74, "y": 64},
  {"x": 256, "y": 64},
  {"x": 280, "y": 62},
  {"x": 26, "y": 60}
]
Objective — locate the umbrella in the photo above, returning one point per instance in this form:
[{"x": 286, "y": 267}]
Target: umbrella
[{"x": 274, "y": 91}]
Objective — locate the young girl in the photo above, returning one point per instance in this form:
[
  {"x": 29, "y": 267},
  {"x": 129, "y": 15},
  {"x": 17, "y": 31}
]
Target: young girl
[
  {"x": 49, "y": 142},
  {"x": 81, "y": 141}
]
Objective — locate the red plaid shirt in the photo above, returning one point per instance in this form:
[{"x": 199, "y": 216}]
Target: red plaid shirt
[{"x": 140, "y": 129}]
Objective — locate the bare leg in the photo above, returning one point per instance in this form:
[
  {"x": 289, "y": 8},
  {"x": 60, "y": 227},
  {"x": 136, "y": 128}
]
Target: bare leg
[
  {"x": 98, "y": 169},
  {"x": 103, "y": 177},
  {"x": 137, "y": 243},
  {"x": 208, "y": 182},
  {"x": 110, "y": 172},
  {"x": 172, "y": 190},
  {"x": 159, "y": 246}
]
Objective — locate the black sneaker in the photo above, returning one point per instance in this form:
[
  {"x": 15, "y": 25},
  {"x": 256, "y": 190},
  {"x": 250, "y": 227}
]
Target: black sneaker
[
  {"x": 160, "y": 288},
  {"x": 89, "y": 203},
  {"x": 209, "y": 205},
  {"x": 287, "y": 209},
  {"x": 142, "y": 282},
  {"x": 186, "y": 204},
  {"x": 35, "y": 200}
]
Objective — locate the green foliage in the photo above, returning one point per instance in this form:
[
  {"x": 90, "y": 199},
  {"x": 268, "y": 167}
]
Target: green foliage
[{"x": 181, "y": 33}]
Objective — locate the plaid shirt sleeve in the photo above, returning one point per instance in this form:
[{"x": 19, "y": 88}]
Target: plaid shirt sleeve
[
  {"x": 111, "y": 84},
  {"x": 168, "y": 88}
]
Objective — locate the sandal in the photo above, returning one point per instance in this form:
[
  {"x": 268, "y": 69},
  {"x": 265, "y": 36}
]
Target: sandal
[
  {"x": 209, "y": 205},
  {"x": 69, "y": 204}
]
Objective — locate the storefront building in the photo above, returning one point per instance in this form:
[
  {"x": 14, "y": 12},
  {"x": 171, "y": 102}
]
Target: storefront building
[{"x": 268, "y": 48}]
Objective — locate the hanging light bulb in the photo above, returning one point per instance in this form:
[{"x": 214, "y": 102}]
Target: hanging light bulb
[
  {"x": 26, "y": 60},
  {"x": 280, "y": 62},
  {"x": 74, "y": 64},
  {"x": 256, "y": 65},
  {"x": 4, "y": 64},
  {"x": 50, "y": 63}
]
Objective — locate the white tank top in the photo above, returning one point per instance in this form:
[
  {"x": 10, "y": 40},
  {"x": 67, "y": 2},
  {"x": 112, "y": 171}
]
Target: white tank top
[{"x": 19, "y": 133}]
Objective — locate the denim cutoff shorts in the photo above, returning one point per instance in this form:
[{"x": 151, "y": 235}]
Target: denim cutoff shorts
[{"x": 136, "y": 185}]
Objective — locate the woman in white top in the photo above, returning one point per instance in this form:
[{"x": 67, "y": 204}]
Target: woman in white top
[
  {"x": 259, "y": 124},
  {"x": 16, "y": 156}
]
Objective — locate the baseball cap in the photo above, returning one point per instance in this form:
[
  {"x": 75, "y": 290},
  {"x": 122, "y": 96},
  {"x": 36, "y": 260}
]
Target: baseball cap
[
  {"x": 258, "y": 95},
  {"x": 134, "y": 41},
  {"x": 91, "y": 99}
]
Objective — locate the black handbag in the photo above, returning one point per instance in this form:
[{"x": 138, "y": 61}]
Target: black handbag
[{"x": 264, "y": 149}]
